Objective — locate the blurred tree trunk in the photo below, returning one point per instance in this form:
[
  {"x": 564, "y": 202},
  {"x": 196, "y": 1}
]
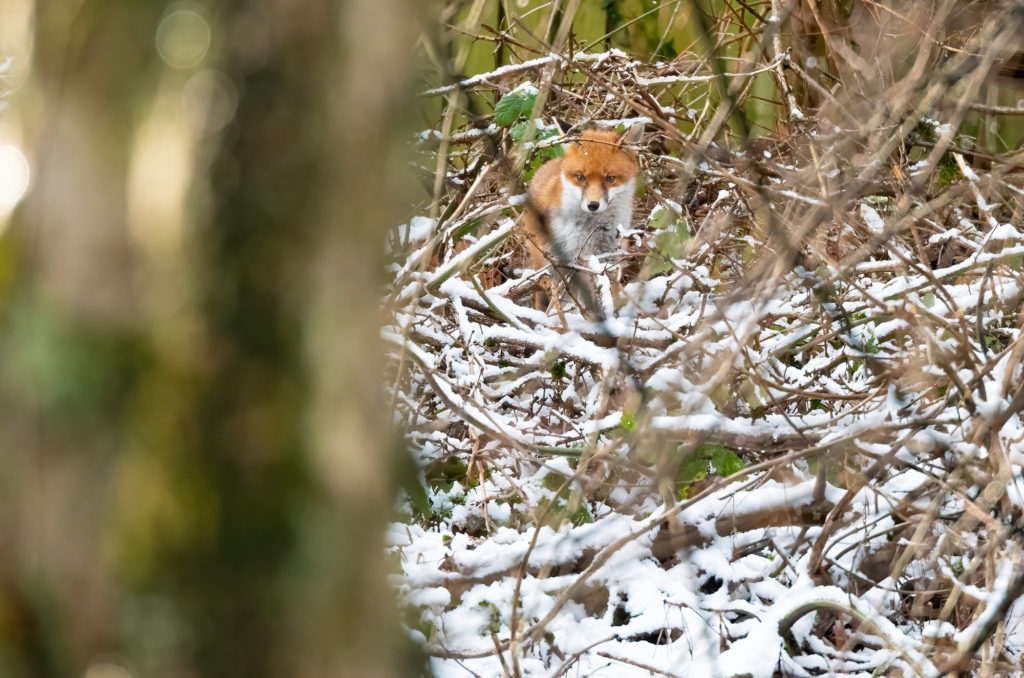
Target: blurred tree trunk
[
  {"x": 303, "y": 192},
  {"x": 208, "y": 500},
  {"x": 68, "y": 334},
  {"x": 350, "y": 631}
]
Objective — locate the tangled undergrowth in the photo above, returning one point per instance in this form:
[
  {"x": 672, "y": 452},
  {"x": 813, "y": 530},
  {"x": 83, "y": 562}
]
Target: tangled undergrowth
[{"x": 783, "y": 437}]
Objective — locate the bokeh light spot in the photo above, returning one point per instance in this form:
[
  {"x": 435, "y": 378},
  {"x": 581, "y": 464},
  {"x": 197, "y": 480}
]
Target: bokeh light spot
[
  {"x": 107, "y": 670},
  {"x": 14, "y": 177},
  {"x": 209, "y": 99},
  {"x": 183, "y": 38}
]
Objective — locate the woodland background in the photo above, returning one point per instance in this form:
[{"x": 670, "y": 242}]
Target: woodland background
[{"x": 195, "y": 472}]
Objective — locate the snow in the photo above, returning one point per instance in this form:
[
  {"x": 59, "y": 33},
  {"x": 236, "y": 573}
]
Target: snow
[
  {"x": 871, "y": 218},
  {"x": 854, "y": 399}
]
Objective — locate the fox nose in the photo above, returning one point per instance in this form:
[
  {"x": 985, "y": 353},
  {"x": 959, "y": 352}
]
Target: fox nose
[{"x": 593, "y": 205}]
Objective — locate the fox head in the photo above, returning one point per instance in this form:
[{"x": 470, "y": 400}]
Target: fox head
[{"x": 599, "y": 166}]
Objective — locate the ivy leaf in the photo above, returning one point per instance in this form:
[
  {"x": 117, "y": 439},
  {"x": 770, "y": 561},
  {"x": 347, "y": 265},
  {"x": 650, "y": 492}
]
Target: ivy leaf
[
  {"x": 723, "y": 460},
  {"x": 710, "y": 456},
  {"x": 694, "y": 467}
]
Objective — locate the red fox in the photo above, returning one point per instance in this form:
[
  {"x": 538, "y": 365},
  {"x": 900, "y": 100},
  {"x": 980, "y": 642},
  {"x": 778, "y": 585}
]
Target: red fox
[{"x": 574, "y": 203}]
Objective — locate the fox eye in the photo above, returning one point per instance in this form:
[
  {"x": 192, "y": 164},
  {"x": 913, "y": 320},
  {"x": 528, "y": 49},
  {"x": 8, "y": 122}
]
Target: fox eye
[
  {"x": 610, "y": 179},
  {"x": 580, "y": 178}
]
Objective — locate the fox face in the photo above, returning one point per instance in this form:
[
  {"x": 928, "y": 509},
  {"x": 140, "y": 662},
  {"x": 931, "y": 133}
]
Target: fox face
[
  {"x": 596, "y": 170},
  {"x": 577, "y": 202}
]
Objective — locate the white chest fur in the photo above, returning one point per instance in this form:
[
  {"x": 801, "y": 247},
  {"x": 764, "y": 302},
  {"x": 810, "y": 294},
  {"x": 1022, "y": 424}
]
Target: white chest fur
[{"x": 581, "y": 233}]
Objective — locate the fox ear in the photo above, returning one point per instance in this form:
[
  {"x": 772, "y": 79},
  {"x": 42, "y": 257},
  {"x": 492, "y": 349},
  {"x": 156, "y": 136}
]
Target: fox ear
[
  {"x": 569, "y": 131},
  {"x": 632, "y": 135},
  {"x": 564, "y": 126}
]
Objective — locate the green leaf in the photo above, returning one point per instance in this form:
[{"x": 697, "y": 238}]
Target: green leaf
[
  {"x": 581, "y": 516},
  {"x": 419, "y": 501},
  {"x": 949, "y": 171},
  {"x": 494, "y": 617},
  {"x": 553, "y": 482},
  {"x": 928, "y": 300},
  {"x": 526, "y": 108},
  {"x": 513, "y": 105},
  {"x": 657, "y": 264},
  {"x": 547, "y": 133},
  {"x": 660, "y": 217},
  {"x": 442, "y": 473},
  {"x": 517, "y": 129},
  {"x": 709, "y": 456},
  {"x": 871, "y": 345},
  {"x": 668, "y": 245},
  {"x": 694, "y": 467},
  {"x": 670, "y": 241},
  {"x": 558, "y": 371},
  {"x": 724, "y": 461},
  {"x": 466, "y": 229},
  {"x": 507, "y": 110},
  {"x": 927, "y": 130}
]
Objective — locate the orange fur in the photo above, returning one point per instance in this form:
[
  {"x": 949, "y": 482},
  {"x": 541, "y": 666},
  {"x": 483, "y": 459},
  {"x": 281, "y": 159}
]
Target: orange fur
[{"x": 598, "y": 155}]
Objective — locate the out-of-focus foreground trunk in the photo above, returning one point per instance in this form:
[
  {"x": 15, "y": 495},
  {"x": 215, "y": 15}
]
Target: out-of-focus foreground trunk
[{"x": 196, "y": 470}]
